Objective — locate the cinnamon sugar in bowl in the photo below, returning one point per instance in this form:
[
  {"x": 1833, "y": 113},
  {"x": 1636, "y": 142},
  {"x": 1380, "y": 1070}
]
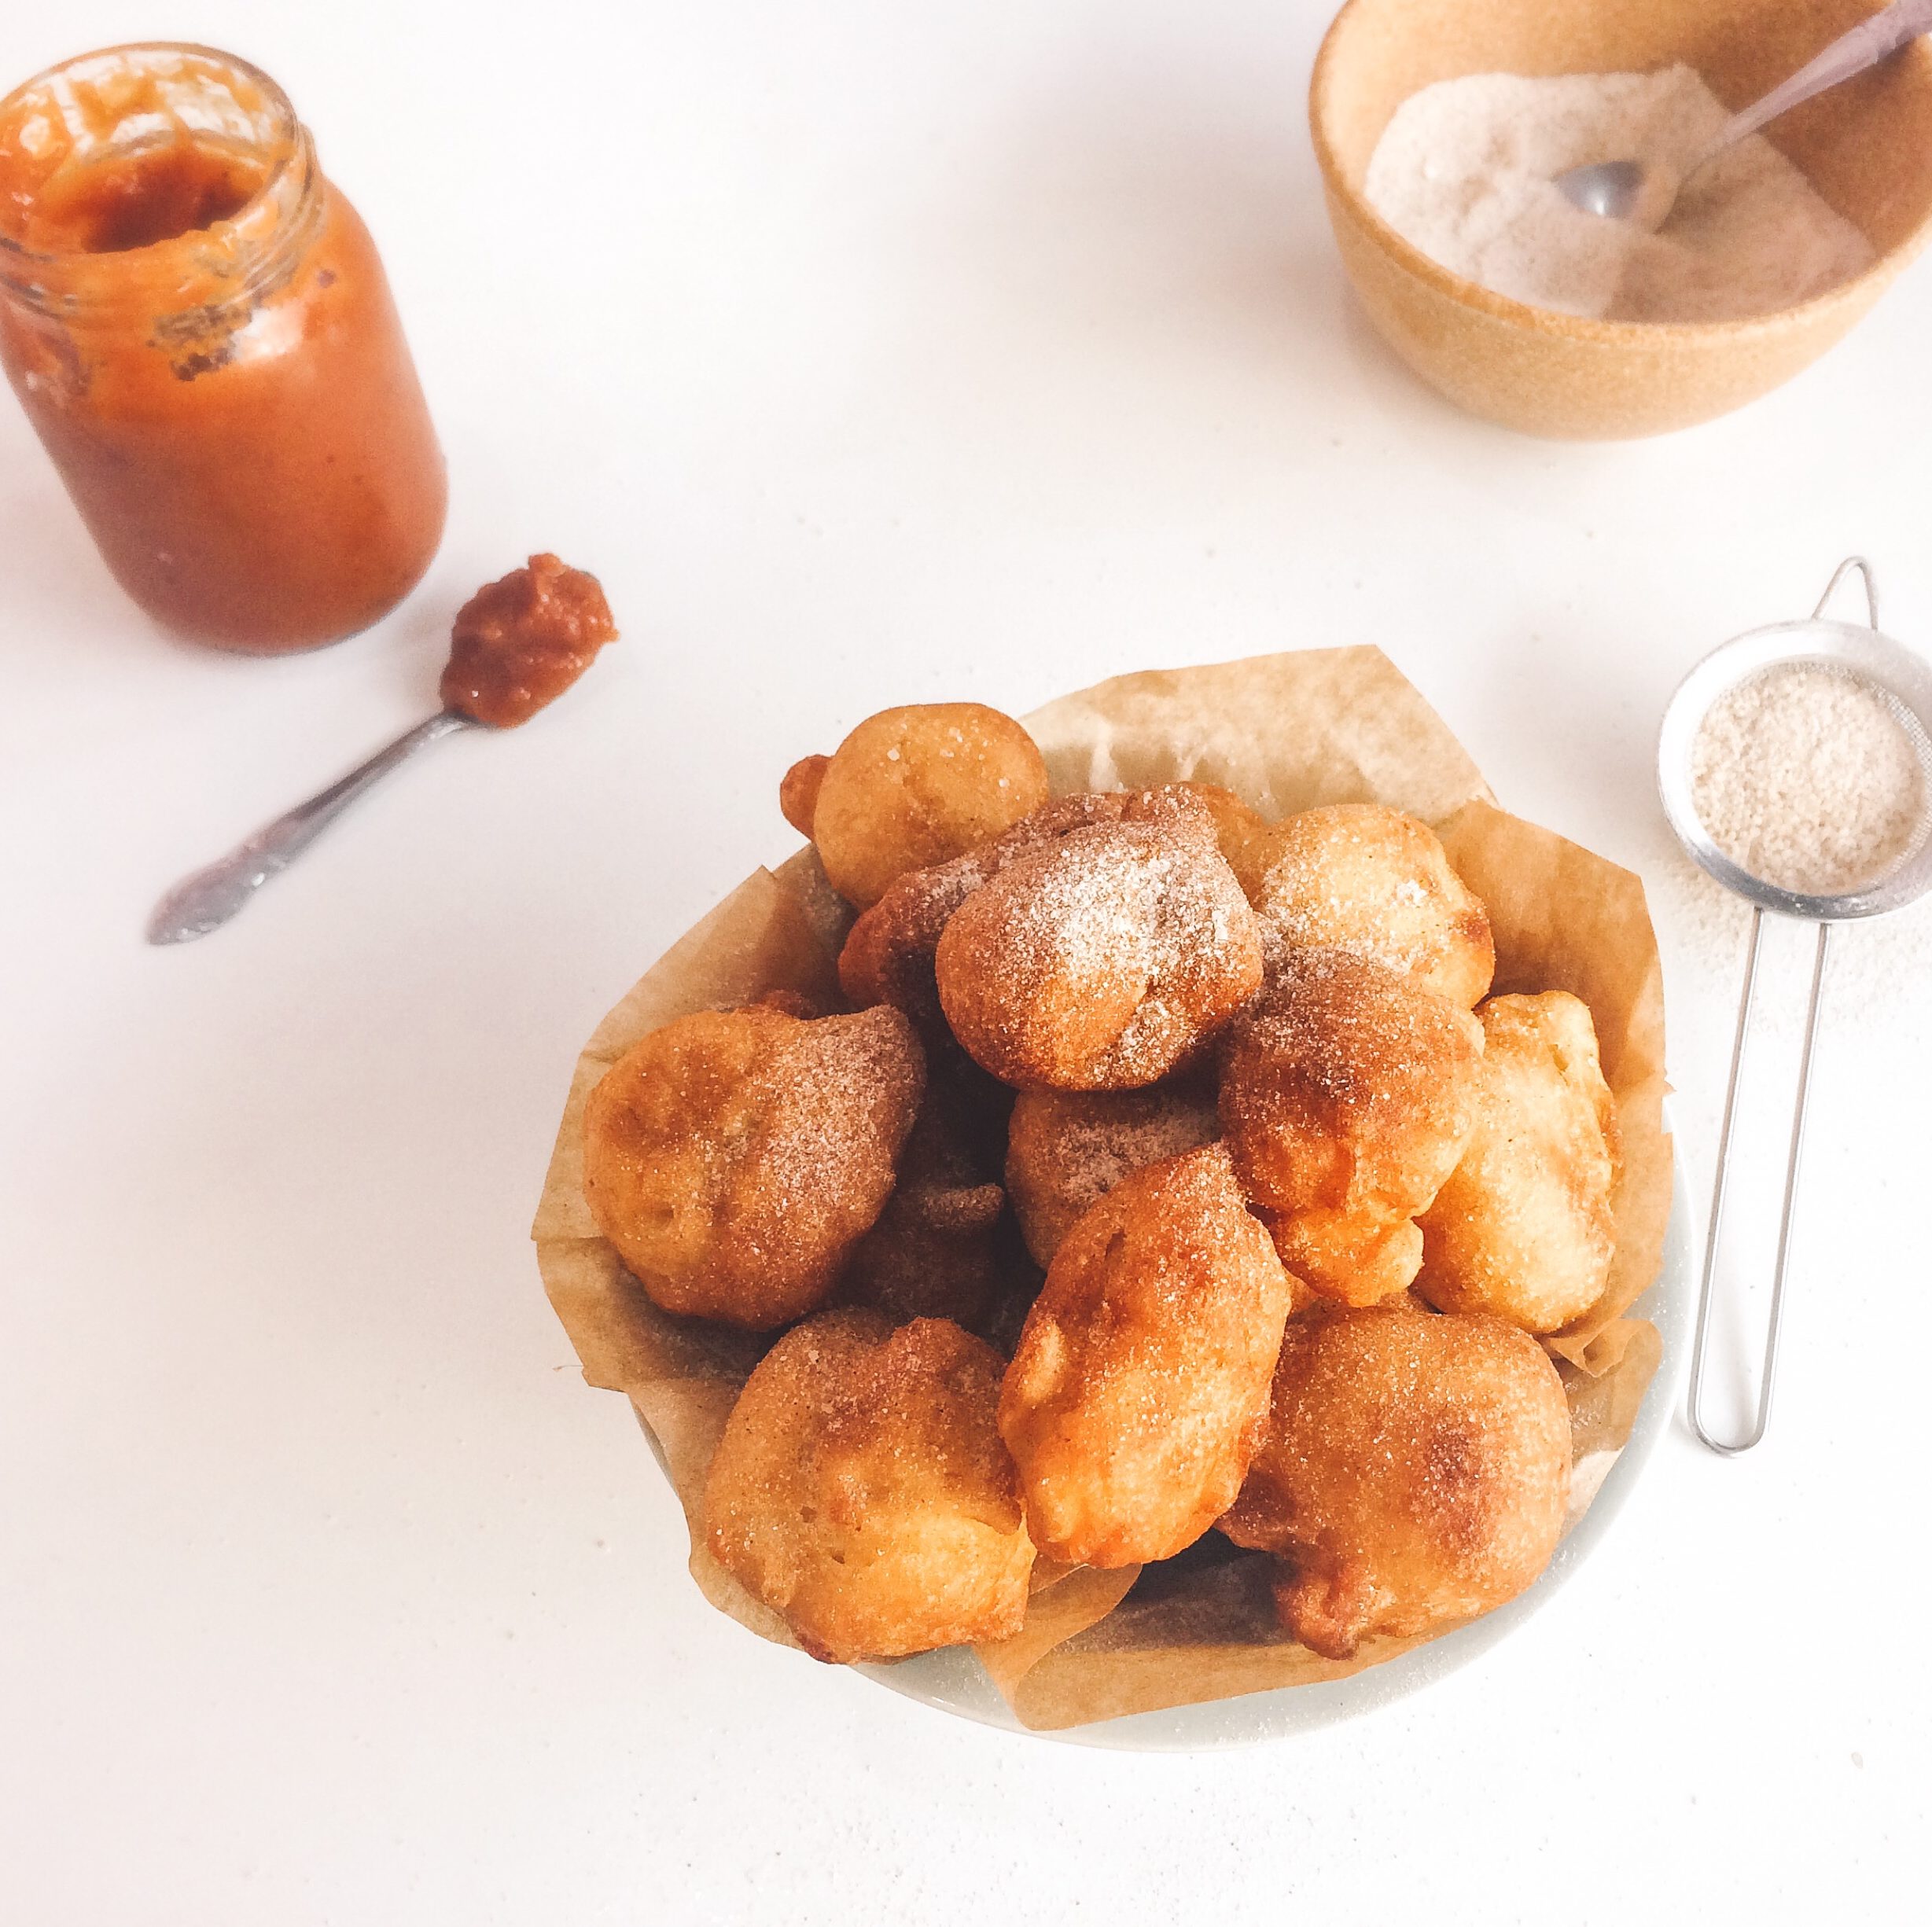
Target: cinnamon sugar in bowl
[{"x": 1866, "y": 146}]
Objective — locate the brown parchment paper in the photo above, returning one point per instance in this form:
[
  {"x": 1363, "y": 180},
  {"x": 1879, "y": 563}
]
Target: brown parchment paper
[{"x": 1286, "y": 732}]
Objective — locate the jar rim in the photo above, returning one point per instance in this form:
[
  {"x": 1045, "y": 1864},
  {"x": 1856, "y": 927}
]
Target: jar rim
[{"x": 14, "y": 252}]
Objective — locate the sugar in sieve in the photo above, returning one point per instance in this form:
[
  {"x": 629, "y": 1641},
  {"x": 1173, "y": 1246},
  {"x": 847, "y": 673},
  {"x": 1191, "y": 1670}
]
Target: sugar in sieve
[{"x": 1903, "y": 682}]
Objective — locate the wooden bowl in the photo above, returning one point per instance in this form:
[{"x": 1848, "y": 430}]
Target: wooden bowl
[{"x": 1866, "y": 146}]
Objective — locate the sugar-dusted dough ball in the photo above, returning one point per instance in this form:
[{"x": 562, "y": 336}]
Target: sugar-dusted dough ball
[
  {"x": 1523, "y": 1227},
  {"x": 1348, "y": 1094},
  {"x": 1102, "y": 960},
  {"x": 734, "y": 1158},
  {"x": 861, "y": 1491},
  {"x": 1241, "y": 830},
  {"x": 889, "y": 954},
  {"x": 1066, "y": 1150},
  {"x": 912, "y": 787},
  {"x": 1362, "y": 877},
  {"x": 1131, "y": 1402},
  {"x": 1413, "y": 1472}
]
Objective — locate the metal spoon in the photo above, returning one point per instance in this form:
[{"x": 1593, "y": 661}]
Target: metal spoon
[
  {"x": 205, "y": 901},
  {"x": 1645, "y": 191}
]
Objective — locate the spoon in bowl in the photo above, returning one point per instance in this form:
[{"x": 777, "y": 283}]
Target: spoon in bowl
[{"x": 1645, "y": 191}]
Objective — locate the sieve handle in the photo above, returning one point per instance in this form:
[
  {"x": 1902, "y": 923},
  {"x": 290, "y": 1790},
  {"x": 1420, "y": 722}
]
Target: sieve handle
[
  {"x": 1730, "y": 1447},
  {"x": 1845, "y": 568}
]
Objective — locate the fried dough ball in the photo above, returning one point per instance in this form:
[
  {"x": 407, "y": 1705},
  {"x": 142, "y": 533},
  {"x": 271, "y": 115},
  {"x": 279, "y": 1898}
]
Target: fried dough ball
[
  {"x": 1066, "y": 1150},
  {"x": 861, "y": 1491},
  {"x": 1522, "y": 1227},
  {"x": 1413, "y": 1472},
  {"x": 792, "y": 1003},
  {"x": 798, "y": 792},
  {"x": 1348, "y": 1094},
  {"x": 888, "y": 954},
  {"x": 1131, "y": 1403},
  {"x": 1360, "y": 876},
  {"x": 1242, "y": 832},
  {"x": 734, "y": 1158},
  {"x": 1102, "y": 961},
  {"x": 936, "y": 1252},
  {"x": 909, "y": 787}
]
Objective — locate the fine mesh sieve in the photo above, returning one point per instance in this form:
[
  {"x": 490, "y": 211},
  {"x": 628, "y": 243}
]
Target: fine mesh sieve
[{"x": 1903, "y": 681}]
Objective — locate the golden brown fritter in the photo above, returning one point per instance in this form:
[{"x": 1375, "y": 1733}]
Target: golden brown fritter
[
  {"x": 1522, "y": 1227},
  {"x": 798, "y": 792},
  {"x": 936, "y": 1250},
  {"x": 1102, "y": 961},
  {"x": 734, "y": 1157},
  {"x": 889, "y": 954},
  {"x": 1362, "y": 877},
  {"x": 1066, "y": 1150},
  {"x": 1348, "y": 1094},
  {"x": 791, "y": 1002},
  {"x": 1413, "y": 1472},
  {"x": 1131, "y": 1403},
  {"x": 861, "y": 1491},
  {"x": 913, "y": 787},
  {"x": 1243, "y": 833}
]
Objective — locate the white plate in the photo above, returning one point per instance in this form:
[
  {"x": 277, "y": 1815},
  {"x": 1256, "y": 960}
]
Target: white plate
[{"x": 955, "y": 1681}]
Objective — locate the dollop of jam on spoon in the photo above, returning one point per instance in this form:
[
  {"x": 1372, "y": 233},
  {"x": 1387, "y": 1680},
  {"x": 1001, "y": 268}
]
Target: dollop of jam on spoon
[{"x": 519, "y": 642}]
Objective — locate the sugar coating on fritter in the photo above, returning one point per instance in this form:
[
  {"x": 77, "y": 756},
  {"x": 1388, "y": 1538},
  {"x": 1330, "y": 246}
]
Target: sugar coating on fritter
[
  {"x": 1102, "y": 961},
  {"x": 861, "y": 1490},
  {"x": 789, "y": 1002},
  {"x": 937, "y": 1251},
  {"x": 1523, "y": 1226},
  {"x": 1413, "y": 1472},
  {"x": 734, "y": 1157},
  {"x": 1361, "y": 877},
  {"x": 1066, "y": 1150},
  {"x": 1348, "y": 1094},
  {"x": 1241, "y": 830},
  {"x": 1131, "y": 1403},
  {"x": 909, "y": 787},
  {"x": 889, "y": 954}
]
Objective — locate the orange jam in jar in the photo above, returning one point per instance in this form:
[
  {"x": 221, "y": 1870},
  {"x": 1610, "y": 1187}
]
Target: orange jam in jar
[{"x": 199, "y": 329}]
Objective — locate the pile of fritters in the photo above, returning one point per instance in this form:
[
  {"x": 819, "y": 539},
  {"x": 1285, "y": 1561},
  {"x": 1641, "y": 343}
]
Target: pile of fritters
[{"x": 1306, "y": 1197}]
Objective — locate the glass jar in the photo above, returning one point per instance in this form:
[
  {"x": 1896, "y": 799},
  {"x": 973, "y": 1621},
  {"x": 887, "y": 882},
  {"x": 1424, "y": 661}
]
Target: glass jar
[{"x": 199, "y": 329}]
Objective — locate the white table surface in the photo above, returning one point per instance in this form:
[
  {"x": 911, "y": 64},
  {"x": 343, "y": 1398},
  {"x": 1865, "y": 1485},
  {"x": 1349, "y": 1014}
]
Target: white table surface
[{"x": 869, "y": 352}]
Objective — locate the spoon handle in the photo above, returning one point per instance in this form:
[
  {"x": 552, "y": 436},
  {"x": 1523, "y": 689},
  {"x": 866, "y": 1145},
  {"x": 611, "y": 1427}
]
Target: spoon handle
[
  {"x": 1864, "y": 46},
  {"x": 206, "y": 900}
]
